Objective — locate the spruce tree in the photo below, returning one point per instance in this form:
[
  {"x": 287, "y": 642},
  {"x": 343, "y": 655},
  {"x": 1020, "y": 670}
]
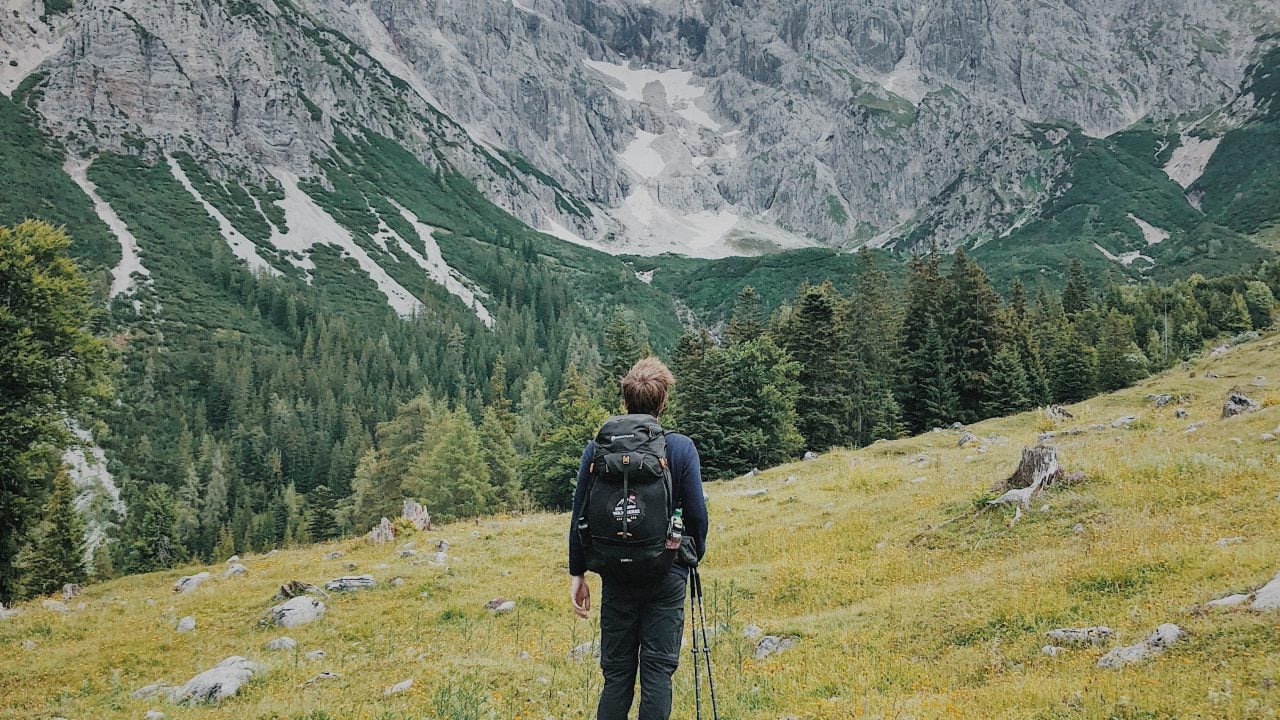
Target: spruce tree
[
  {"x": 924, "y": 387},
  {"x": 535, "y": 415},
  {"x": 322, "y": 525},
  {"x": 550, "y": 472},
  {"x": 748, "y": 320},
  {"x": 151, "y": 543},
  {"x": 51, "y": 361},
  {"x": 1260, "y": 302},
  {"x": 452, "y": 478},
  {"x": 1008, "y": 391},
  {"x": 59, "y": 549},
  {"x": 1077, "y": 296},
  {"x": 1073, "y": 370},
  {"x": 499, "y": 456},
  {"x": 226, "y": 545},
  {"x": 1120, "y": 362},
  {"x": 975, "y": 331},
  {"x": 934, "y": 402},
  {"x": 815, "y": 339},
  {"x": 623, "y": 347}
]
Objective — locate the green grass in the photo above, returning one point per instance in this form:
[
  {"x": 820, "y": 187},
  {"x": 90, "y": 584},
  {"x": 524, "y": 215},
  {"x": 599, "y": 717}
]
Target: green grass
[{"x": 898, "y": 612}]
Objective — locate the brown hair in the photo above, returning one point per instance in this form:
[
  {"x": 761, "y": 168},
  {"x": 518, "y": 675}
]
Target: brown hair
[{"x": 644, "y": 389}]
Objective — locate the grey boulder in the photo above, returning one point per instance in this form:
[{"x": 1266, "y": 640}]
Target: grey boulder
[
  {"x": 297, "y": 611},
  {"x": 217, "y": 683}
]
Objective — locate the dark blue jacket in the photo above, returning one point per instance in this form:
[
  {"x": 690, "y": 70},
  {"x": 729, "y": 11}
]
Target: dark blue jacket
[{"x": 686, "y": 483}]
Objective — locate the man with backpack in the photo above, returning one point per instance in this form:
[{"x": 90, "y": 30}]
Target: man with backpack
[{"x": 637, "y": 486}]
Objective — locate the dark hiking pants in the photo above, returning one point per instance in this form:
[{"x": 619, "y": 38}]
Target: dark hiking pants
[{"x": 640, "y": 629}]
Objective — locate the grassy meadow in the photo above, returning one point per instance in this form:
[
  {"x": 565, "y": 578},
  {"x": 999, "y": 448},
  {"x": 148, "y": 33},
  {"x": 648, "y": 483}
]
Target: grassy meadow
[{"x": 906, "y": 602}]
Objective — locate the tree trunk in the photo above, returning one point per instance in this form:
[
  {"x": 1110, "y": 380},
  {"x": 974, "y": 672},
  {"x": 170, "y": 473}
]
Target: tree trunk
[{"x": 1039, "y": 468}]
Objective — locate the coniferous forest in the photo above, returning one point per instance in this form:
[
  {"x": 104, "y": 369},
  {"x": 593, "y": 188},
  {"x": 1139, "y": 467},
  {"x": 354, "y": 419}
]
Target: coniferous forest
[{"x": 304, "y": 419}]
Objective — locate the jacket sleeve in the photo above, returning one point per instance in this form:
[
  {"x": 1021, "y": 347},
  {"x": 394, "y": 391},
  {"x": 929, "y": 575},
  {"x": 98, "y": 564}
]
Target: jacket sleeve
[
  {"x": 694, "y": 500},
  {"x": 578, "y": 558}
]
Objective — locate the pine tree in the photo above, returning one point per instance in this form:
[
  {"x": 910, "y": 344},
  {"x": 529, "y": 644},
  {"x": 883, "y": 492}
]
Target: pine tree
[
  {"x": 1260, "y": 302},
  {"x": 929, "y": 381},
  {"x": 51, "y": 362},
  {"x": 748, "y": 320},
  {"x": 1120, "y": 362},
  {"x": 535, "y": 415},
  {"x": 1238, "y": 319},
  {"x": 1073, "y": 371},
  {"x": 1008, "y": 391},
  {"x": 873, "y": 351},
  {"x": 550, "y": 472},
  {"x": 213, "y": 507},
  {"x": 451, "y": 477},
  {"x": 187, "y": 511},
  {"x": 924, "y": 388},
  {"x": 975, "y": 332},
  {"x": 622, "y": 346},
  {"x": 321, "y": 523},
  {"x": 151, "y": 543},
  {"x": 1077, "y": 296},
  {"x": 59, "y": 550},
  {"x": 499, "y": 456},
  {"x": 226, "y": 545},
  {"x": 814, "y": 340}
]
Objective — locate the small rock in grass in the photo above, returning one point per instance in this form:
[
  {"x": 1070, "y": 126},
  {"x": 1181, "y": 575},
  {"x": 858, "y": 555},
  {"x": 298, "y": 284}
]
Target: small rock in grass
[
  {"x": 188, "y": 583},
  {"x": 6, "y": 613},
  {"x": 71, "y": 590},
  {"x": 1223, "y": 542},
  {"x": 772, "y": 644},
  {"x": 1081, "y": 636},
  {"x": 584, "y": 651},
  {"x": 408, "y": 553},
  {"x": 334, "y": 555},
  {"x": 153, "y": 715},
  {"x": 966, "y": 439},
  {"x": 1125, "y": 421},
  {"x": 233, "y": 560},
  {"x": 217, "y": 683},
  {"x": 752, "y": 631},
  {"x": 755, "y": 493},
  {"x": 282, "y": 643},
  {"x": 790, "y": 479},
  {"x": 350, "y": 583},
  {"x": 235, "y": 570},
  {"x": 315, "y": 655},
  {"x": 1181, "y": 414},
  {"x": 55, "y": 606},
  {"x": 1238, "y": 404},
  {"x": 398, "y": 688},
  {"x": 1051, "y": 650},
  {"x": 322, "y": 677},
  {"x": 1163, "y": 638},
  {"x": 1266, "y": 437},
  {"x": 297, "y": 611},
  {"x": 1194, "y": 427},
  {"x": 917, "y": 481},
  {"x": 396, "y": 582},
  {"x": 501, "y": 605},
  {"x": 28, "y": 645},
  {"x": 1268, "y": 596},
  {"x": 147, "y": 691},
  {"x": 1229, "y": 601},
  {"x": 187, "y": 624}
]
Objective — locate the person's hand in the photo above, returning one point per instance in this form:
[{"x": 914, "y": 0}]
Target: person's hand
[{"x": 580, "y": 594}]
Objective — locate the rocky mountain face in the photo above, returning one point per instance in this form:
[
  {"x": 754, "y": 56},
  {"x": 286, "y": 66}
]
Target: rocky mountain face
[{"x": 707, "y": 128}]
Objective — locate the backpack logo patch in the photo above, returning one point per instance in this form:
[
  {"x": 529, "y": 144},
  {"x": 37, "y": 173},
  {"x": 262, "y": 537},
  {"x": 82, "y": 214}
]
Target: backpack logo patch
[{"x": 629, "y": 509}]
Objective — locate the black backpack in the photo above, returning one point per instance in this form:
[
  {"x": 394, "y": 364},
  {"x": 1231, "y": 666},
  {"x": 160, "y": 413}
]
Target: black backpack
[{"x": 627, "y": 509}]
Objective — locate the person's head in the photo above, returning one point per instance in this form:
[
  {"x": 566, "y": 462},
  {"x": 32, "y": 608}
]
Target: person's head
[{"x": 644, "y": 389}]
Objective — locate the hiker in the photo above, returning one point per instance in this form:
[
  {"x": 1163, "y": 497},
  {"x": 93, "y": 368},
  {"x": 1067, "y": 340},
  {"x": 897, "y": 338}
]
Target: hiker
[{"x": 637, "y": 482}]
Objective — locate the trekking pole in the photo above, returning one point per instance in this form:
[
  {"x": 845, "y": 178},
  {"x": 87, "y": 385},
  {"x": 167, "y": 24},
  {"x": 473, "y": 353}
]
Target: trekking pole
[
  {"x": 706, "y": 646},
  {"x": 693, "y": 633}
]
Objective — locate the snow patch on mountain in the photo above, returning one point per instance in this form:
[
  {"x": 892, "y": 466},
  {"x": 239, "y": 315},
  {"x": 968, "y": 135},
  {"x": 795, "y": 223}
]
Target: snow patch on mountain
[
  {"x": 241, "y": 246},
  {"x": 1188, "y": 161},
  {"x": 1152, "y": 234},
  {"x": 437, "y": 269},
  {"x": 1125, "y": 259},
  {"x": 310, "y": 225},
  {"x": 97, "y": 496},
  {"x": 130, "y": 257},
  {"x": 660, "y": 88},
  {"x": 642, "y": 158}
]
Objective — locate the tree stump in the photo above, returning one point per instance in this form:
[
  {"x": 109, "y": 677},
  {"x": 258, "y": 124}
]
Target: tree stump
[{"x": 1039, "y": 469}]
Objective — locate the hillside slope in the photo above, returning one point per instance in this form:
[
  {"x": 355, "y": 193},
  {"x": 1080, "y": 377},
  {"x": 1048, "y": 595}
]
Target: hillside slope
[{"x": 896, "y": 612}]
